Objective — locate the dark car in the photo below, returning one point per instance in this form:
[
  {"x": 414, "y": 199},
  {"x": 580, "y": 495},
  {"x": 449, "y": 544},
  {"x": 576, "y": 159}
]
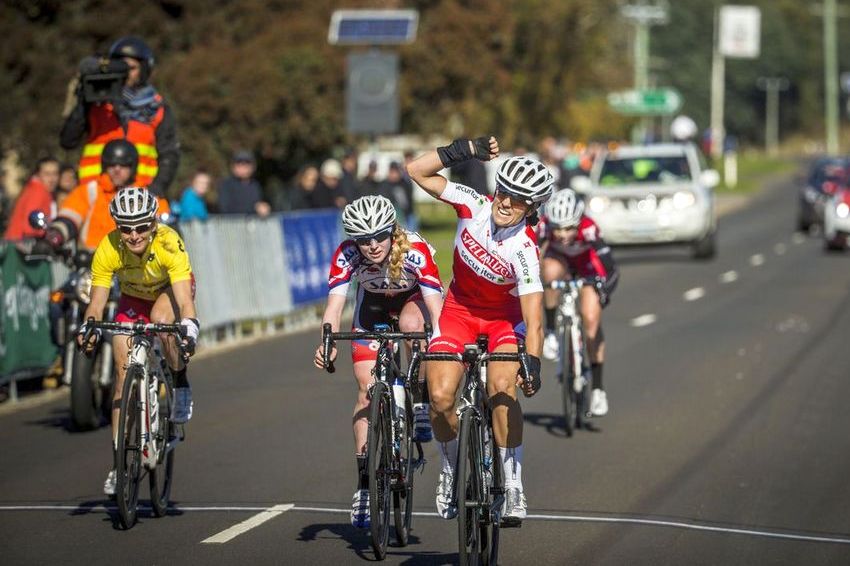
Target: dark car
[{"x": 826, "y": 175}]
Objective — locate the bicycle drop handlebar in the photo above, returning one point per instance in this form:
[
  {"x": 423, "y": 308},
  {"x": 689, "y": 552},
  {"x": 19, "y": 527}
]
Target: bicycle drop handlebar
[
  {"x": 137, "y": 327},
  {"x": 474, "y": 355},
  {"x": 328, "y": 339}
]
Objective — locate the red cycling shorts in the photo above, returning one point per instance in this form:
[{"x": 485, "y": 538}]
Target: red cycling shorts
[
  {"x": 460, "y": 326},
  {"x": 131, "y": 309}
]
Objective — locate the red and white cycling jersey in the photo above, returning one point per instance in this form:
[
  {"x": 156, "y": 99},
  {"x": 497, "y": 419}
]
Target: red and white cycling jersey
[
  {"x": 491, "y": 267},
  {"x": 418, "y": 269},
  {"x": 586, "y": 256}
]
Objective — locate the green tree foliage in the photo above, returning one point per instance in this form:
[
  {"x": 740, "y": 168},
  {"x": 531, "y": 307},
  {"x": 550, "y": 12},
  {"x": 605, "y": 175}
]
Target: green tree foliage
[{"x": 259, "y": 74}]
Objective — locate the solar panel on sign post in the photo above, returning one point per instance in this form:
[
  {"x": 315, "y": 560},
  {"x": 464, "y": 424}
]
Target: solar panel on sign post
[{"x": 373, "y": 27}]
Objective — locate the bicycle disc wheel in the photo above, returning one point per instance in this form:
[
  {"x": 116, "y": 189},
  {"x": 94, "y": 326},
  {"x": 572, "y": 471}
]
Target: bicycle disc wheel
[
  {"x": 379, "y": 455},
  {"x": 128, "y": 456},
  {"x": 469, "y": 481},
  {"x": 568, "y": 395},
  {"x": 403, "y": 494},
  {"x": 161, "y": 476}
]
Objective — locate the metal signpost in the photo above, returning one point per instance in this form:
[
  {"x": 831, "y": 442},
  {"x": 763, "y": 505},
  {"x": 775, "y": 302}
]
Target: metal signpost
[{"x": 371, "y": 94}]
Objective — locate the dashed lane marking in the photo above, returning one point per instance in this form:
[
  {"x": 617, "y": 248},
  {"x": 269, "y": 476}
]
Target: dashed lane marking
[
  {"x": 613, "y": 519},
  {"x": 643, "y": 320},
  {"x": 248, "y": 524},
  {"x": 694, "y": 294},
  {"x": 780, "y": 249},
  {"x": 729, "y": 276},
  {"x": 756, "y": 260},
  {"x": 798, "y": 238}
]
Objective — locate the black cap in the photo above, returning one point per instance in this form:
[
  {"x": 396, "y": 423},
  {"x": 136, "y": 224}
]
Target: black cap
[{"x": 243, "y": 156}]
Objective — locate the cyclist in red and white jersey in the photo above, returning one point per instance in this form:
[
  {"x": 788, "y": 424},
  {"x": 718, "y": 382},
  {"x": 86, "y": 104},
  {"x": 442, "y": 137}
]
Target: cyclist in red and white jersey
[
  {"x": 574, "y": 246},
  {"x": 495, "y": 290},
  {"x": 396, "y": 277}
]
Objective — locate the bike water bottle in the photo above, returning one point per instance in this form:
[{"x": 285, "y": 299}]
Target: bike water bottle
[
  {"x": 488, "y": 456},
  {"x": 153, "y": 404},
  {"x": 399, "y": 396}
]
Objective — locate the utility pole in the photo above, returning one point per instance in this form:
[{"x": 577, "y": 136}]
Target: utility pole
[
  {"x": 830, "y": 70},
  {"x": 644, "y": 15},
  {"x": 718, "y": 90},
  {"x": 772, "y": 86}
]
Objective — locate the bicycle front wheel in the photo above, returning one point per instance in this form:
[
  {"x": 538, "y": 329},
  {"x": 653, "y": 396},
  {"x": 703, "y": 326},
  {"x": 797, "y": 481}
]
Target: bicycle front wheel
[
  {"x": 379, "y": 450},
  {"x": 472, "y": 503},
  {"x": 403, "y": 494},
  {"x": 161, "y": 476},
  {"x": 128, "y": 455}
]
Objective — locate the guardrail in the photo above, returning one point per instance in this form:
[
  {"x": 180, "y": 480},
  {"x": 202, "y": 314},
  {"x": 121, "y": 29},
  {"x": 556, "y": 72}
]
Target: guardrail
[{"x": 254, "y": 276}]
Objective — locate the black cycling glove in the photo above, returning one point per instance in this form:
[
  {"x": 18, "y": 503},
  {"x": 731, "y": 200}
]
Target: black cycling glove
[
  {"x": 533, "y": 374},
  {"x": 459, "y": 151}
]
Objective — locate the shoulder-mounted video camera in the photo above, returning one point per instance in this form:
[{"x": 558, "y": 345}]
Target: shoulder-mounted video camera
[{"x": 102, "y": 79}]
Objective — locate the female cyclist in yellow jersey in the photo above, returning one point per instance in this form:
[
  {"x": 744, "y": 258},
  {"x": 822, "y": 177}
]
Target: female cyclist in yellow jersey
[{"x": 157, "y": 285}]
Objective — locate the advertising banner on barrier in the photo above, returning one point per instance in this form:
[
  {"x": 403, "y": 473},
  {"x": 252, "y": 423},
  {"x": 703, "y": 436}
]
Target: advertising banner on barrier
[
  {"x": 24, "y": 322},
  {"x": 310, "y": 239}
]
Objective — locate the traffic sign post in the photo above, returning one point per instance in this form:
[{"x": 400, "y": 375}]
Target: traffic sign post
[{"x": 647, "y": 102}]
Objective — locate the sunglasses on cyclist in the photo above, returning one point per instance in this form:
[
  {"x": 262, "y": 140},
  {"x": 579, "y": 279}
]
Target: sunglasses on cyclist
[
  {"x": 137, "y": 228},
  {"x": 501, "y": 193},
  {"x": 379, "y": 237}
]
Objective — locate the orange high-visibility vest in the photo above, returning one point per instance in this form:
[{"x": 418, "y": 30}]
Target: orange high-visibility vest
[{"x": 104, "y": 126}]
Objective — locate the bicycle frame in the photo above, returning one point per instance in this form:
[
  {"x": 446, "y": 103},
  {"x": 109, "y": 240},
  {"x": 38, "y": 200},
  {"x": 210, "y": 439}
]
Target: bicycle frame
[{"x": 570, "y": 321}]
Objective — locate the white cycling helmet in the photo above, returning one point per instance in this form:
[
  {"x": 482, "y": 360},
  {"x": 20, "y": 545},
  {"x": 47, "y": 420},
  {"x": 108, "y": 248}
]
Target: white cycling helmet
[
  {"x": 564, "y": 210},
  {"x": 367, "y": 216},
  {"x": 132, "y": 205},
  {"x": 525, "y": 178}
]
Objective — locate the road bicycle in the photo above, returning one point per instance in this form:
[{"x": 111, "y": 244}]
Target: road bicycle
[
  {"x": 392, "y": 455},
  {"x": 479, "y": 491},
  {"x": 573, "y": 363},
  {"x": 146, "y": 436}
]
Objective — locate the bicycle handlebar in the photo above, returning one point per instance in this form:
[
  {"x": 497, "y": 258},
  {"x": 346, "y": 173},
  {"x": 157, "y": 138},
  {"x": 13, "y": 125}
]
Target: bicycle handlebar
[
  {"x": 328, "y": 339},
  {"x": 520, "y": 356},
  {"x": 578, "y": 282},
  {"x": 137, "y": 327}
]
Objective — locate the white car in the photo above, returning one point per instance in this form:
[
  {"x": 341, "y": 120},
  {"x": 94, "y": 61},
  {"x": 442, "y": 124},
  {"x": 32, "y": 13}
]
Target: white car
[
  {"x": 653, "y": 194},
  {"x": 836, "y": 220}
]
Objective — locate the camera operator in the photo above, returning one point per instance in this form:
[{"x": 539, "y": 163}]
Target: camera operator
[{"x": 114, "y": 100}]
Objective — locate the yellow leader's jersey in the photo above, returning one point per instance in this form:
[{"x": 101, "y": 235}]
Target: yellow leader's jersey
[{"x": 164, "y": 262}]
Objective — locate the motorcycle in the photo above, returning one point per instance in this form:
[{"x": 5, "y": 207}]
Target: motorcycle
[{"x": 90, "y": 378}]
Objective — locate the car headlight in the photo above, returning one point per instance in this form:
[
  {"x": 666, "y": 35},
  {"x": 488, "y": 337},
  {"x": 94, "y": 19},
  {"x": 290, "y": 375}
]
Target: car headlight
[
  {"x": 842, "y": 210},
  {"x": 599, "y": 204},
  {"x": 683, "y": 199},
  {"x": 83, "y": 288}
]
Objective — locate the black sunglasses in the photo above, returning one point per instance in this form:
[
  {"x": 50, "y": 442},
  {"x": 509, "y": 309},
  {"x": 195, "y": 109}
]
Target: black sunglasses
[
  {"x": 379, "y": 237},
  {"x": 138, "y": 228}
]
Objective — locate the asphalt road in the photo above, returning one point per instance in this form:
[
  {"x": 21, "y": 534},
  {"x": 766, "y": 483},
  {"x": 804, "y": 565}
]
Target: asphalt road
[{"x": 726, "y": 442}]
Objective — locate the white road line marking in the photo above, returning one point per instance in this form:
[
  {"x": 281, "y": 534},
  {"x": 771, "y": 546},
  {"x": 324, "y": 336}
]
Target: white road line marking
[
  {"x": 693, "y": 526},
  {"x": 248, "y": 524},
  {"x": 756, "y": 260},
  {"x": 729, "y": 276},
  {"x": 780, "y": 249},
  {"x": 643, "y": 320},
  {"x": 798, "y": 238},
  {"x": 694, "y": 294},
  {"x": 631, "y": 520}
]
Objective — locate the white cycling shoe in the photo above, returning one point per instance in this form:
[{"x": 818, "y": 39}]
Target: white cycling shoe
[
  {"x": 360, "y": 509},
  {"x": 514, "y": 509},
  {"x": 181, "y": 412},
  {"x": 109, "y": 484},
  {"x": 445, "y": 507},
  {"x": 550, "y": 346},
  {"x": 598, "y": 403}
]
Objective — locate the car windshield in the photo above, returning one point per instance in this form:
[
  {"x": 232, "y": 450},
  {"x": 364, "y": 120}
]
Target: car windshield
[
  {"x": 630, "y": 171},
  {"x": 834, "y": 170}
]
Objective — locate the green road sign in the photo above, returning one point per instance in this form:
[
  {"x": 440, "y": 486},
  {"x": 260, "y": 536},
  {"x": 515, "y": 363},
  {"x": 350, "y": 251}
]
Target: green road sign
[{"x": 650, "y": 102}]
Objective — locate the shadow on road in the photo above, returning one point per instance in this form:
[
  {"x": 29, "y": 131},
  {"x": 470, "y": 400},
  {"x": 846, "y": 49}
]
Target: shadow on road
[
  {"x": 554, "y": 424},
  {"x": 61, "y": 419}
]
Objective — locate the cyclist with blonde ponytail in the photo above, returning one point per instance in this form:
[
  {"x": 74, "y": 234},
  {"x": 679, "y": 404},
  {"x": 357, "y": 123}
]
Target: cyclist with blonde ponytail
[{"x": 396, "y": 277}]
